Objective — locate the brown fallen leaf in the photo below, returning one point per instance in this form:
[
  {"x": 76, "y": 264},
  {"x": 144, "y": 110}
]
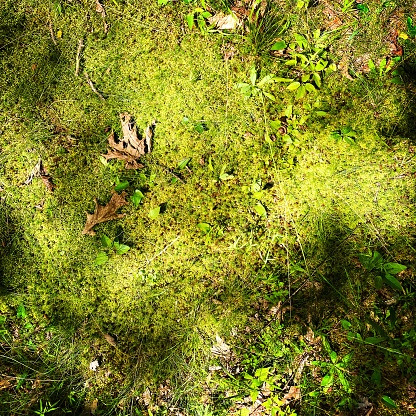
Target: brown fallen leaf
[
  {"x": 111, "y": 340},
  {"x": 40, "y": 171},
  {"x": 5, "y": 384},
  {"x": 105, "y": 213},
  {"x": 293, "y": 394},
  {"x": 130, "y": 147}
]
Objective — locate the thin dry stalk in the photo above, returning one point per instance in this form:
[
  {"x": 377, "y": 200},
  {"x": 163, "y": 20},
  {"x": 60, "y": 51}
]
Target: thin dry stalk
[
  {"x": 52, "y": 34},
  {"x": 80, "y": 47},
  {"x": 91, "y": 84}
]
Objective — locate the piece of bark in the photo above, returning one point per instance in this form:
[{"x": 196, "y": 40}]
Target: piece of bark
[
  {"x": 105, "y": 213},
  {"x": 130, "y": 147}
]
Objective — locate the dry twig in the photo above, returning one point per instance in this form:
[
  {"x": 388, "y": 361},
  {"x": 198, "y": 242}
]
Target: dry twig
[
  {"x": 91, "y": 84},
  {"x": 80, "y": 47}
]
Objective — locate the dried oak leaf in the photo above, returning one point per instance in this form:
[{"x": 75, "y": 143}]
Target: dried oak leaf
[
  {"x": 130, "y": 147},
  {"x": 105, "y": 213}
]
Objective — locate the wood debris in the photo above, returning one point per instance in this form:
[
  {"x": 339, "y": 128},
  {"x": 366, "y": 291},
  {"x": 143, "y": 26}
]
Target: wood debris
[
  {"x": 78, "y": 57},
  {"x": 130, "y": 147},
  {"x": 105, "y": 213},
  {"x": 92, "y": 86}
]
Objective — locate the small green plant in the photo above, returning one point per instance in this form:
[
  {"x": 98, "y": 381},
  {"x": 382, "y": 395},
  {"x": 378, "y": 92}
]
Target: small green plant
[
  {"x": 109, "y": 246},
  {"x": 411, "y": 27},
  {"x": 385, "y": 271},
  {"x": 309, "y": 61},
  {"x": 257, "y": 88},
  {"x": 346, "y": 134},
  {"x": 46, "y": 408},
  {"x": 335, "y": 368},
  {"x": 198, "y": 17},
  {"x": 289, "y": 127},
  {"x": 384, "y": 68}
]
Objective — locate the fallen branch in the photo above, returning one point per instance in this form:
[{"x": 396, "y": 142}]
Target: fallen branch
[
  {"x": 77, "y": 60},
  {"x": 91, "y": 84}
]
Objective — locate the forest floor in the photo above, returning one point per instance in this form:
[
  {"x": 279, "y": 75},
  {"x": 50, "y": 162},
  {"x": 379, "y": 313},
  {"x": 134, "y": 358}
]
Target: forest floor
[{"x": 253, "y": 247}]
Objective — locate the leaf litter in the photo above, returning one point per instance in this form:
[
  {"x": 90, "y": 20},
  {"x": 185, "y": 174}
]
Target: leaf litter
[
  {"x": 105, "y": 213},
  {"x": 39, "y": 171},
  {"x": 130, "y": 148}
]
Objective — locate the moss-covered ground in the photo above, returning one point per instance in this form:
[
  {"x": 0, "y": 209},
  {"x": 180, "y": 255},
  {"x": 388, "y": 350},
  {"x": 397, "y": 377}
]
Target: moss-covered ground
[{"x": 270, "y": 281}]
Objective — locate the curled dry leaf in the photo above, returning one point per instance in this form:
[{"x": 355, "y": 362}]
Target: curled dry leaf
[
  {"x": 293, "y": 394},
  {"x": 220, "y": 348},
  {"x": 40, "y": 172},
  {"x": 130, "y": 147},
  {"x": 111, "y": 340},
  {"x": 105, "y": 213}
]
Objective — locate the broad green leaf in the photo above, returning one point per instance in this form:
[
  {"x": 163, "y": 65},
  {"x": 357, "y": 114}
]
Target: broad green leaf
[
  {"x": 21, "y": 311},
  {"x": 309, "y": 87},
  {"x": 206, "y": 15},
  {"x": 101, "y": 258},
  {"x": 321, "y": 113},
  {"x": 305, "y": 77},
  {"x": 183, "y": 163},
  {"x": 190, "y": 20},
  {"x": 258, "y": 195},
  {"x": 291, "y": 62},
  {"x": 317, "y": 79},
  {"x": 327, "y": 380},
  {"x": 106, "y": 241},
  {"x": 262, "y": 374},
  {"x": 154, "y": 213},
  {"x": 259, "y": 208},
  {"x": 225, "y": 176},
  {"x": 333, "y": 356},
  {"x": 347, "y": 358},
  {"x": 244, "y": 412},
  {"x": 253, "y": 395},
  {"x": 370, "y": 262},
  {"x": 289, "y": 111},
  {"x": 374, "y": 340},
  {"x": 275, "y": 125},
  {"x": 301, "y": 92},
  {"x": 393, "y": 268},
  {"x": 376, "y": 377},
  {"x": 345, "y": 324},
  {"x": 204, "y": 227},
  {"x": 271, "y": 97},
  {"x": 121, "y": 185},
  {"x": 389, "y": 402},
  {"x": 301, "y": 40},
  {"x": 321, "y": 65},
  {"x": 121, "y": 248},
  {"x": 279, "y": 45},
  {"x": 2, "y": 320},
  {"x": 278, "y": 79},
  {"x": 200, "y": 127},
  {"x": 137, "y": 197},
  {"x": 378, "y": 282},
  {"x": 393, "y": 282},
  {"x": 268, "y": 79},
  {"x": 371, "y": 65},
  {"x": 253, "y": 75},
  {"x": 343, "y": 380},
  {"x": 293, "y": 86},
  {"x": 326, "y": 345}
]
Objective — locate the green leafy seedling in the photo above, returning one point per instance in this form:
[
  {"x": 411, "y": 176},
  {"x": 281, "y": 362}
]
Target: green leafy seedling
[
  {"x": 386, "y": 271},
  {"x": 255, "y": 88},
  {"x": 137, "y": 198},
  {"x": 346, "y": 134},
  {"x": 120, "y": 185},
  {"x": 109, "y": 246}
]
